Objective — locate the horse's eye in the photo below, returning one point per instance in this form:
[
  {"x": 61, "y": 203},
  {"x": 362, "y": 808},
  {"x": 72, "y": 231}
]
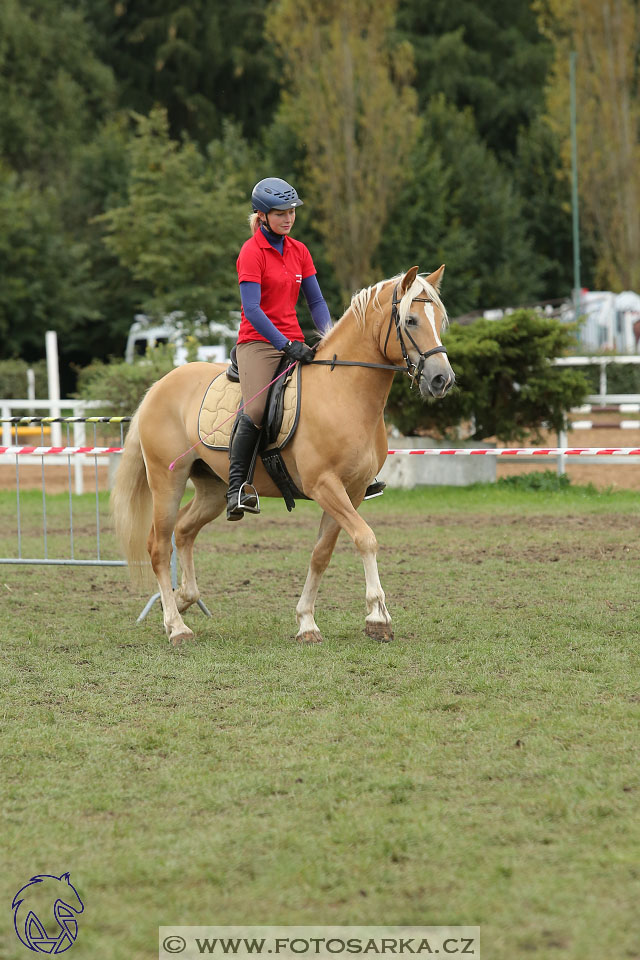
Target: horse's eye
[{"x": 412, "y": 320}]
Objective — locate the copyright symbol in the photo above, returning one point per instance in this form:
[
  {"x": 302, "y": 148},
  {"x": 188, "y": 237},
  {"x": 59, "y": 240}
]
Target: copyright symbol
[{"x": 174, "y": 944}]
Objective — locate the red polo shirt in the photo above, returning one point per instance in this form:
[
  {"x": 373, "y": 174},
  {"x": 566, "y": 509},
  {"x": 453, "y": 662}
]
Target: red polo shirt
[{"x": 280, "y": 277}]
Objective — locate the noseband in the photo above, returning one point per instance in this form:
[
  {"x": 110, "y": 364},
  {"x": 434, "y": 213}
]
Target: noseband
[{"x": 413, "y": 369}]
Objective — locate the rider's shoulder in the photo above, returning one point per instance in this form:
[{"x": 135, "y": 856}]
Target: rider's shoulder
[{"x": 297, "y": 245}]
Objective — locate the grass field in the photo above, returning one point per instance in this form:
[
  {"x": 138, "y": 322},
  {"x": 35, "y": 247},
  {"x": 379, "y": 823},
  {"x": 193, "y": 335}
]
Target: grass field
[{"x": 482, "y": 769}]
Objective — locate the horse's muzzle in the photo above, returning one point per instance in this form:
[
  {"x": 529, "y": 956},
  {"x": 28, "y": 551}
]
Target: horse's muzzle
[{"x": 436, "y": 382}]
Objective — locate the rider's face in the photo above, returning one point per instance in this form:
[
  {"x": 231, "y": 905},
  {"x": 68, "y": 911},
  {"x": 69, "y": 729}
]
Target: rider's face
[{"x": 280, "y": 221}]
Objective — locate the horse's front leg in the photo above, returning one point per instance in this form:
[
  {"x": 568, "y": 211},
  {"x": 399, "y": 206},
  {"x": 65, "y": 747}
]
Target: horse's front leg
[
  {"x": 329, "y": 492},
  {"x": 327, "y": 535}
]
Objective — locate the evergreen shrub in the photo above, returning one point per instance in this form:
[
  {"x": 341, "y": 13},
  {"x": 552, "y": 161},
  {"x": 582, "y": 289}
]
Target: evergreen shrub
[
  {"x": 505, "y": 385},
  {"x": 13, "y": 379},
  {"x": 120, "y": 385}
]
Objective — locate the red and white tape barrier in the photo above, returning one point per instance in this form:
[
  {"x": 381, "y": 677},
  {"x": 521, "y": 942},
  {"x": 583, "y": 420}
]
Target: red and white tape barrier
[
  {"x": 64, "y": 451},
  {"x": 427, "y": 452},
  {"x": 523, "y": 452}
]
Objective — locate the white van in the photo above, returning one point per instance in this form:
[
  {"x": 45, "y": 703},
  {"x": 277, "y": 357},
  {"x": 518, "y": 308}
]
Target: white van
[{"x": 144, "y": 333}]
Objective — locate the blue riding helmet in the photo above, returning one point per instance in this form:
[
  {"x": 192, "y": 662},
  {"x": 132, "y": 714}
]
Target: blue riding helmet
[{"x": 274, "y": 194}]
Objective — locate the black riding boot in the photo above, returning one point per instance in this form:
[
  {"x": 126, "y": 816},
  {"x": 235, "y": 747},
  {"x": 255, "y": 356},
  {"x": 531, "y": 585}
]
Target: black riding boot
[{"x": 239, "y": 498}]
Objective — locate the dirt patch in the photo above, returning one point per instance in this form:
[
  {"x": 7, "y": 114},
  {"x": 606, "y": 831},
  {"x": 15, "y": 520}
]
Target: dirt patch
[{"x": 596, "y": 521}]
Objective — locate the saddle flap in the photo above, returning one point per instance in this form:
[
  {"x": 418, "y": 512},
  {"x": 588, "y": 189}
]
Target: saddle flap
[{"x": 276, "y": 402}]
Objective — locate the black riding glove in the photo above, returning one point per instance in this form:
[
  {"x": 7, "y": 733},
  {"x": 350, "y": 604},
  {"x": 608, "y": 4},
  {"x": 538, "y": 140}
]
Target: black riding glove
[{"x": 297, "y": 350}]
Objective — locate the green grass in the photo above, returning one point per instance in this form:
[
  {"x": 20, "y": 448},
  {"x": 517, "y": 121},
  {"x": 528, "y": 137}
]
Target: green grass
[{"x": 482, "y": 769}]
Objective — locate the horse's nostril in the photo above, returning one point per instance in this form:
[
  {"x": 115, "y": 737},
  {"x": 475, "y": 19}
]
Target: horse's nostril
[{"x": 438, "y": 382}]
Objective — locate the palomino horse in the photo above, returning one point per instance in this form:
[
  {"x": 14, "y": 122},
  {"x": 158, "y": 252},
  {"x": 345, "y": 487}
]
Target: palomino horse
[{"x": 339, "y": 446}]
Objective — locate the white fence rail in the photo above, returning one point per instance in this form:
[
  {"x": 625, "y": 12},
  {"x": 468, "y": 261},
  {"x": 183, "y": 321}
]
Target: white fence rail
[{"x": 603, "y": 363}]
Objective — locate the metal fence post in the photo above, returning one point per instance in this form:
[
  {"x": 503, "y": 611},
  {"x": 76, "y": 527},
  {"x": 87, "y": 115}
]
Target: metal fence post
[{"x": 562, "y": 442}]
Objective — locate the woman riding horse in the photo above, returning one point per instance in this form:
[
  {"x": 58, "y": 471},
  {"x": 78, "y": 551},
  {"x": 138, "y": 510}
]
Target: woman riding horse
[
  {"x": 272, "y": 268},
  {"x": 339, "y": 444}
]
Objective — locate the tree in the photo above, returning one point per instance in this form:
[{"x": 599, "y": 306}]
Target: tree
[
  {"x": 45, "y": 278},
  {"x": 181, "y": 228},
  {"x": 459, "y": 206},
  {"x": 488, "y": 56},
  {"x": 202, "y": 60},
  {"x": 53, "y": 89},
  {"x": 347, "y": 97},
  {"x": 606, "y": 36}
]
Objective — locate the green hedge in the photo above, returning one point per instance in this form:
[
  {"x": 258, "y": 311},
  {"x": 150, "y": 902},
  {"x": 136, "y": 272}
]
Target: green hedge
[
  {"x": 621, "y": 378},
  {"x": 121, "y": 386},
  {"x": 505, "y": 385},
  {"x": 13, "y": 379}
]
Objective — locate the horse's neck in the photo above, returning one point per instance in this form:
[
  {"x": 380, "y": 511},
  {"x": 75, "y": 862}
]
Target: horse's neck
[{"x": 349, "y": 341}]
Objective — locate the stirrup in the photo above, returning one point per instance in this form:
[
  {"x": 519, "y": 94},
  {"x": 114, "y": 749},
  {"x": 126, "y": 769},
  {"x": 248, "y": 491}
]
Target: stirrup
[
  {"x": 375, "y": 489},
  {"x": 248, "y": 499}
]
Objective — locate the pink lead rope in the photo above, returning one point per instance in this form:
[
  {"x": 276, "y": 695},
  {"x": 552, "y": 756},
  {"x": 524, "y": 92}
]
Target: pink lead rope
[{"x": 241, "y": 407}]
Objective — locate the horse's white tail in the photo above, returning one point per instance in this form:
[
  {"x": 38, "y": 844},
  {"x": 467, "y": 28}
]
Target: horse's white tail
[{"x": 131, "y": 507}]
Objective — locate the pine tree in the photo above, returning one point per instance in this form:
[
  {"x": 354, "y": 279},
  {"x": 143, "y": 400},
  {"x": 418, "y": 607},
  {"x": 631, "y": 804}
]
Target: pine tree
[
  {"x": 347, "y": 97},
  {"x": 606, "y": 36}
]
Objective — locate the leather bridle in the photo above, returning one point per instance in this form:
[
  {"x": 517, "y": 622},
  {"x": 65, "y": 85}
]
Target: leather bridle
[{"x": 414, "y": 370}]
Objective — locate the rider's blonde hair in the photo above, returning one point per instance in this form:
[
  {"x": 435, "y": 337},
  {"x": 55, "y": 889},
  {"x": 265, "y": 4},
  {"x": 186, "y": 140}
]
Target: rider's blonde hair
[{"x": 254, "y": 222}]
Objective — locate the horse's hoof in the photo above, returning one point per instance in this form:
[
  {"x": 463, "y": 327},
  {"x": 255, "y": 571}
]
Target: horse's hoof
[
  {"x": 309, "y": 636},
  {"x": 178, "y": 638},
  {"x": 382, "y": 632}
]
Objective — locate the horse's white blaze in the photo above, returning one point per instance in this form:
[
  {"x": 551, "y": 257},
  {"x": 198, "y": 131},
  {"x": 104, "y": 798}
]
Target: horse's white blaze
[{"x": 431, "y": 317}]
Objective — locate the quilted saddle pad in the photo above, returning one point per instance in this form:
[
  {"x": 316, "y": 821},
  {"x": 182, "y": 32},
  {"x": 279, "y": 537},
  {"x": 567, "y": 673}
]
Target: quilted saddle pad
[{"x": 221, "y": 402}]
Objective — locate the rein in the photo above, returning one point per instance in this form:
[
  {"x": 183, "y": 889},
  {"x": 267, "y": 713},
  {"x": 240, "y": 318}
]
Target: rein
[
  {"x": 356, "y": 363},
  {"x": 413, "y": 370}
]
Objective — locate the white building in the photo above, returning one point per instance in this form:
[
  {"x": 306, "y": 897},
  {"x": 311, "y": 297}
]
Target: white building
[{"x": 611, "y": 321}]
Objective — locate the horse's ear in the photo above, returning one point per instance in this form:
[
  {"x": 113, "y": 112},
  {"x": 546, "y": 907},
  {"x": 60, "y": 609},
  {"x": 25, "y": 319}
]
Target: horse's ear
[
  {"x": 408, "y": 279},
  {"x": 435, "y": 279}
]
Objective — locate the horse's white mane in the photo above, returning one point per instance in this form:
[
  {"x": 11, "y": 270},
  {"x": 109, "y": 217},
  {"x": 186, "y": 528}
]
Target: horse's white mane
[{"x": 360, "y": 301}]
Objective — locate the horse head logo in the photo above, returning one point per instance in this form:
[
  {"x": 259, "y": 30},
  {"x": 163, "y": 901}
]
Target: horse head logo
[{"x": 42, "y": 904}]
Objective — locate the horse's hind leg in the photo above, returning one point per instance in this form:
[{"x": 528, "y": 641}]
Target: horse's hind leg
[
  {"x": 328, "y": 534},
  {"x": 167, "y": 493},
  {"x": 207, "y": 503}
]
